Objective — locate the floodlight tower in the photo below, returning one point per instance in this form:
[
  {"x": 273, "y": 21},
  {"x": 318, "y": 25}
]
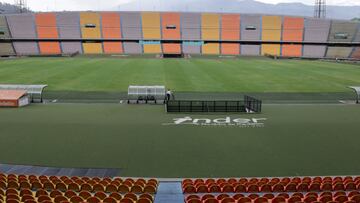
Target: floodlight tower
[
  {"x": 22, "y": 5},
  {"x": 320, "y": 9}
]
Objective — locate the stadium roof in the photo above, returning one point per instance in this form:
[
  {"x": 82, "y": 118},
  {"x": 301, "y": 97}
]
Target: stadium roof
[{"x": 11, "y": 94}]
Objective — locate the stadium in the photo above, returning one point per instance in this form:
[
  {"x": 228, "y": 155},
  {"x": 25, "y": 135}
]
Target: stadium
[{"x": 172, "y": 107}]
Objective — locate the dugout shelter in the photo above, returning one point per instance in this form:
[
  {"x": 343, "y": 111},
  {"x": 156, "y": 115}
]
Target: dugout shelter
[
  {"x": 156, "y": 93},
  {"x": 35, "y": 92},
  {"x": 357, "y": 91},
  {"x": 14, "y": 98}
]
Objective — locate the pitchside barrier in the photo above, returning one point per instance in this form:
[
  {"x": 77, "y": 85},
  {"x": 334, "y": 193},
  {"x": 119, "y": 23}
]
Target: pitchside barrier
[{"x": 248, "y": 105}]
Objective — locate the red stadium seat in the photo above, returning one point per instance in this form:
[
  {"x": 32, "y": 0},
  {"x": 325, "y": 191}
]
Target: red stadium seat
[
  {"x": 109, "y": 200},
  {"x": 325, "y": 198},
  {"x": 278, "y": 200},
  {"x": 244, "y": 200},
  {"x": 207, "y": 196},
  {"x": 211, "y": 200},
  {"x": 60, "y": 199},
  {"x": 227, "y": 200},
  {"x": 93, "y": 200},
  {"x": 261, "y": 200}
]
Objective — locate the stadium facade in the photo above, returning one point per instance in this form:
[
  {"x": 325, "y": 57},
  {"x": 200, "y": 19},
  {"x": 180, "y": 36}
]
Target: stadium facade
[{"x": 55, "y": 33}]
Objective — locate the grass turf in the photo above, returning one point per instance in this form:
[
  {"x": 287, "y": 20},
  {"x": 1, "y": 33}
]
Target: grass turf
[
  {"x": 296, "y": 140},
  {"x": 197, "y": 75}
]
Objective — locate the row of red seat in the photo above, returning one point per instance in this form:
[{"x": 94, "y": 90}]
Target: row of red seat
[
  {"x": 233, "y": 185},
  {"x": 274, "y": 181},
  {"x": 78, "y": 184},
  {"x": 312, "y": 197},
  {"x": 30, "y": 189},
  {"x": 70, "y": 196}
]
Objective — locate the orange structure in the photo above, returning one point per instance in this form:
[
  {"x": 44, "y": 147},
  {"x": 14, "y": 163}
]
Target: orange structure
[
  {"x": 111, "y": 29},
  {"x": 13, "y": 98},
  {"x": 210, "y": 31},
  {"x": 170, "y": 23},
  {"x": 271, "y": 31},
  {"x": 230, "y": 30},
  {"x": 293, "y": 29},
  {"x": 151, "y": 31},
  {"x": 46, "y": 29},
  {"x": 90, "y": 29}
]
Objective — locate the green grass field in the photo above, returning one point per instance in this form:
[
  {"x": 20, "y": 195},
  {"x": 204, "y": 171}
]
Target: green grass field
[
  {"x": 194, "y": 75},
  {"x": 301, "y": 139},
  {"x": 295, "y": 140}
]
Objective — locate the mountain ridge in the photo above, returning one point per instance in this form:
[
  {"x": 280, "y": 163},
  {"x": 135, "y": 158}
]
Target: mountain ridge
[{"x": 239, "y": 6}]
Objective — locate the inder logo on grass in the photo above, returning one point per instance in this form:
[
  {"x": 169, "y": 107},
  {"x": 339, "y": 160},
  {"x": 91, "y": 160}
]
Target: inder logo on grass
[{"x": 225, "y": 121}]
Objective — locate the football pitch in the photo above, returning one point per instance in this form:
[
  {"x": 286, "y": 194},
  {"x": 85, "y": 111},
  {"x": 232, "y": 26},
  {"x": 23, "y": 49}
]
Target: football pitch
[
  {"x": 86, "y": 122},
  {"x": 106, "y": 74},
  {"x": 144, "y": 141}
]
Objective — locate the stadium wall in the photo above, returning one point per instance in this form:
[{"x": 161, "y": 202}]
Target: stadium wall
[
  {"x": 6, "y": 49},
  {"x": 151, "y": 30},
  {"x": 293, "y": 31},
  {"x": 111, "y": 29},
  {"x": 316, "y": 30},
  {"x": 46, "y": 28},
  {"x": 131, "y": 29},
  {"x": 356, "y": 50},
  {"x": 176, "y": 32},
  {"x": 271, "y": 31},
  {"x": 23, "y": 26},
  {"x": 230, "y": 30},
  {"x": 210, "y": 30},
  {"x": 191, "y": 31},
  {"x": 250, "y": 30},
  {"x": 90, "y": 29},
  {"x": 170, "y": 27},
  {"x": 69, "y": 28},
  {"x": 341, "y": 31}
]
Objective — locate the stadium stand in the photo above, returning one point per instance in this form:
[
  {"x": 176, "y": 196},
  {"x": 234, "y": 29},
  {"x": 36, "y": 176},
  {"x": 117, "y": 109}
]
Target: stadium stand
[
  {"x": 269, "y": 185},
  {"x": 151, "y": 31},
  {"x": 131, "y": 29},
  {"x": 316, "y": 30},
  {"x": 69, "y": 28},
  {"x": 210, "y": 31},
  {"x": 339, "y": 197},
  {"x": 271, "y": 31},
  {"x": 250, "y": 30},
  {"x": 292, "y": 31},
  {"x": 230, "y": 30},
  {"x": 46, "y": 28},
  {"x": 339, "y": 52},
  {"x": 23, "y": 26},
  {"x": 6, "y": 49},
  {"x": 356, "y": 51},
  {"x": 177, "y": 33},
  {"x": 341, "y": 31},
  {"x": 111, "y": 29},
  {"x": 170, "y": 24},
  {"x": 90, "y": 29},
  {"x": 31, "y": 188},
  {"x": 191, "y": 30}
]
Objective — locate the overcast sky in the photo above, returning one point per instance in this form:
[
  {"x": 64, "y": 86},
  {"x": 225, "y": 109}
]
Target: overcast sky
[{"x": 59, "y": 5}]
